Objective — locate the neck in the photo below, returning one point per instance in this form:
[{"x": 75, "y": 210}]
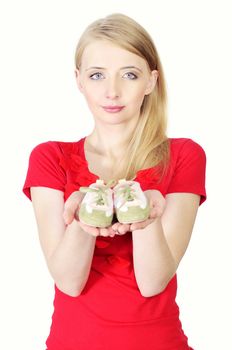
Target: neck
[{"x": 110, "y": 141}]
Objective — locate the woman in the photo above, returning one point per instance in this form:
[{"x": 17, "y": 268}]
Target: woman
[{"x": 115, "y": 286}]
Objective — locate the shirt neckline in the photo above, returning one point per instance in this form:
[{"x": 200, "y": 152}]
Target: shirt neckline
[{"x": 82, "y": 154}]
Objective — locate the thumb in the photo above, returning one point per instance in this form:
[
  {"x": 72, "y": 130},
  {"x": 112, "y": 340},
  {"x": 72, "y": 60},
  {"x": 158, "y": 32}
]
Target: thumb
[
  {"x": 71, "y": 206},
  {"x": 68, "y": 215}
]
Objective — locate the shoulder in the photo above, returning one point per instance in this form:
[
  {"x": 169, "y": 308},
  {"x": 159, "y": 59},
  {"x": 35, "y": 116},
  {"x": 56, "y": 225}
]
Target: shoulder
[
  {"x": 53, "y": 149},
  {"x": 187, "y": 167},
  {"x": 181, "y": 147},
  {"x": 46, "y": 165},
  {"x": 44, "y": 147},
  {"x": 184, "y": 142}
]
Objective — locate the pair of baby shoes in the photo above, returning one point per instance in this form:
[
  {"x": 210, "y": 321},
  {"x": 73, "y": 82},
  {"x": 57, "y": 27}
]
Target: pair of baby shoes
[{"x": 126, "y": 200}]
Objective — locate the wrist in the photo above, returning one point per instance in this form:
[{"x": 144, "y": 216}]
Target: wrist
[
  {"x": 155, "y": 224},
  {"x": 76, "y": 229}
]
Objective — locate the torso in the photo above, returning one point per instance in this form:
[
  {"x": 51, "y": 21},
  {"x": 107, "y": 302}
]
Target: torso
[{"x": 121, "y": 318}]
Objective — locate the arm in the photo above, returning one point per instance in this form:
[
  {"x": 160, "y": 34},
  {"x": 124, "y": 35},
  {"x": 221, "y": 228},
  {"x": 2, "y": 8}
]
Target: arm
[
  {"x": 68, "y": 250},
  {"x": 159, "y": 247}
]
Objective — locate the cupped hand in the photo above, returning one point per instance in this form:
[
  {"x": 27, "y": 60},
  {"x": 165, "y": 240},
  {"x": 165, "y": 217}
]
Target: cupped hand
[
  {"x": 155, "y": 200},
  {"x": 157, "y": 206},
  {"x": 71, "y": 208}
]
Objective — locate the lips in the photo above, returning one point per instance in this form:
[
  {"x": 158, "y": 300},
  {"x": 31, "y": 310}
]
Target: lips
[{"x": 113, "y": 109}]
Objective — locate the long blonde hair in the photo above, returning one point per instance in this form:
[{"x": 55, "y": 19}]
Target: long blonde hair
[{"x": 148, "y": 145}]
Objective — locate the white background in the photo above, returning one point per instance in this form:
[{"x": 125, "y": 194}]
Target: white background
[{"x": 40, "y": 102}]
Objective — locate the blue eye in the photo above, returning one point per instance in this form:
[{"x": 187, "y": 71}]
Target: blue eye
[
  {"x": 131, "y": 75},
  {"x": 96, "y": 76}
]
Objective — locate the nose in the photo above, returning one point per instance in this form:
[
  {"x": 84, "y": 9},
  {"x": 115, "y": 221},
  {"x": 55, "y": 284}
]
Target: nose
[{"x": 112, "y": 89}]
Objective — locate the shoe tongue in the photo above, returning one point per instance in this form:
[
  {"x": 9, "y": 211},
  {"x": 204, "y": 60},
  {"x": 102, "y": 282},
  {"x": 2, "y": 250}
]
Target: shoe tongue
[
  {"x": 111, "y": 183},
  {"x": 127, "y": 184}
]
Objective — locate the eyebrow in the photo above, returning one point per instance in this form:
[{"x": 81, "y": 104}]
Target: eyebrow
[{"x": 127, "y": 67}]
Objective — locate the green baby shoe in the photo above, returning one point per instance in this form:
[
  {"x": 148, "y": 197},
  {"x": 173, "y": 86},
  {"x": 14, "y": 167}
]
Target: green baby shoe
[
  {"x": 97, "y": 207},
  {"x": 130, "y": 202}
]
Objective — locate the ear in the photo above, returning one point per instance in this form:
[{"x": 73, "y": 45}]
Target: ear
[
  {"x": 78, "y": 79},
  {"x": 152, "y": 82}
]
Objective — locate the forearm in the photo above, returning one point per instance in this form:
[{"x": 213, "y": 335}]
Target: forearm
[
  {"x": 71, "y": 261},
  {"x": 154, "y": 264}
]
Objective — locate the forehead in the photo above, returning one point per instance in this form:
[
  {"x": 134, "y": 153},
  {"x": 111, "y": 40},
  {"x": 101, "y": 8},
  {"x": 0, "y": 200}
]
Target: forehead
[{"x": 105, "y": 54}]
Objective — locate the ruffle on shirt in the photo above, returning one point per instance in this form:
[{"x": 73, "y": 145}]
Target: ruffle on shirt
[
  {"x": 76, "y": 169},
  {"x": 72, "y": 162},
  {"x": 78, "y": 174}
]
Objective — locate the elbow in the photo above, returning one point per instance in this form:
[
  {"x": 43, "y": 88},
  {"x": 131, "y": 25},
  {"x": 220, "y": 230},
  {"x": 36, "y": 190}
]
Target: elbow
[
  {"x": 72, "y": 287},
  {"x": 153, "y": 289},
  {"x": 151, "y": 292},
  {"x": 74, "y": 293},
  {"x": 71, "y": 291}
]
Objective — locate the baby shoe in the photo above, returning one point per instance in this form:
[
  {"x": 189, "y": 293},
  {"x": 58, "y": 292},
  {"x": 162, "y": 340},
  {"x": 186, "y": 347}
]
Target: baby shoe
[
  {"x": 130, "y": 202},
  {"x": 97, "y": 206}
]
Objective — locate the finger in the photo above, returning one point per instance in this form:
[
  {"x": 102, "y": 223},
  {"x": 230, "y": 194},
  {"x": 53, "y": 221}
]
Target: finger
[
  {"x": 104, "y": 232},
  {"x": 153, "y": 213},
  {"x": 157, "y": 199},
  {"x": 140, "y": 225},
  {"x": 137, "y": 226},
  {"x": 68, "y": 216},
  {"x": 156, "y": 212},
  {"x": 122, "y": 229},
  {"x": 111, "y": 231},
  {"x": 115, "y": 226},
  {"x": 69, "y": 210},
  {"x": 73, "y": 200},
  {"x": 71, "y": 205}
]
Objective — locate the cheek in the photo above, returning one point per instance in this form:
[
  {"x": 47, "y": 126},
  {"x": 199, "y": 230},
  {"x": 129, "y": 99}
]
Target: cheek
[
  {"x": 91, "y": 94},
  {"x": 138, "y": 96}
]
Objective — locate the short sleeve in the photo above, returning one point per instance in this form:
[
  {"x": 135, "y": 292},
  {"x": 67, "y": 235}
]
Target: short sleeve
[
  {"x": 190, "y": 170},
  {"x": 44, "y": 168}
]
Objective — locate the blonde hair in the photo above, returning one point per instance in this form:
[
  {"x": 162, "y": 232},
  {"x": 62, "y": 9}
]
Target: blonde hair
[{"x": 148, "y": 145}]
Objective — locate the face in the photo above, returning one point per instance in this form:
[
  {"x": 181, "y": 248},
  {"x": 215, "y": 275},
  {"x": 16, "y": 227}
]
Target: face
[{"x": 114, "y": 82}]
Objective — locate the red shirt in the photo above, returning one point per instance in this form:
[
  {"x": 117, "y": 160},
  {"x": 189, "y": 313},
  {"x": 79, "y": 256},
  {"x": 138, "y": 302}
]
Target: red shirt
[{"x": 111, "y": 313}]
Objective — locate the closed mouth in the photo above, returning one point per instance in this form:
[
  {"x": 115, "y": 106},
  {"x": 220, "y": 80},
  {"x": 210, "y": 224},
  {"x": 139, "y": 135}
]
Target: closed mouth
[{"x": 113, "y": 108}]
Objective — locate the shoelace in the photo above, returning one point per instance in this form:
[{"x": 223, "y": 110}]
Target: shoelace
[
  {"x": 101, "y": 198},
  {"x": 127, "y": 193}
]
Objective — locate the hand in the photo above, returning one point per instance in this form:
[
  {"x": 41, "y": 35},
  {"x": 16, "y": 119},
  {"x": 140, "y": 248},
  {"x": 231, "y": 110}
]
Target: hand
[
  {"x": 71, "y": 209},
  {"x": 154, "y": 197},
  {"x": 71, "y": 206},
  {"x": 157, "y": 205}
]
